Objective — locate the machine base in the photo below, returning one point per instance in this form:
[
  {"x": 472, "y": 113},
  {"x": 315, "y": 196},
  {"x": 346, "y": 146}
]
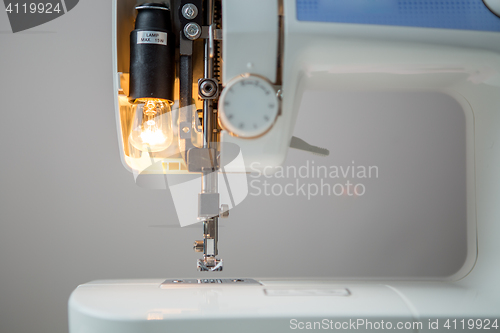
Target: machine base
[{"x": 269, "y": 305}]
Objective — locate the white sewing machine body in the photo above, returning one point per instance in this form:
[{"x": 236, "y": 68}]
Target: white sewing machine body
[
  {"x": 459, "y": 65},
  {"x": 131, "y": 306}
]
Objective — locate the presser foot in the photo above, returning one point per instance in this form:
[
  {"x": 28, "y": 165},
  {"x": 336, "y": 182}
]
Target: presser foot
[{"x": 209, "y": 264}]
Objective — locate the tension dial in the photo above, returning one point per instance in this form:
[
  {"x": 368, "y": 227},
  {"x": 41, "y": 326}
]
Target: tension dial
[{"x": 248, "y": 106}]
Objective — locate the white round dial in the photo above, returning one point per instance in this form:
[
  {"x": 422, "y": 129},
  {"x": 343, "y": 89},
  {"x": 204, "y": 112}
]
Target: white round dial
[{"x": 248, "y": 106}]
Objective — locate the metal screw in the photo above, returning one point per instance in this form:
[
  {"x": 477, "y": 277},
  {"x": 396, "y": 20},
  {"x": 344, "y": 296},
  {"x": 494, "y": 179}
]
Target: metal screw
[
  {"x": 279, "y": 94},
  {"x": 224, "y": 211},
  {"x": 208, "y": 88},
  {"x": 192, "y": 31},
  {"x": 198, "y": 246},
  {"x": 189, "y": 11}
]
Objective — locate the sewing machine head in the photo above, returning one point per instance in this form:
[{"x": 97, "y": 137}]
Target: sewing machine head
[
  {"x": 212, "y": 87},
  {"x": 191, "y": 118}
]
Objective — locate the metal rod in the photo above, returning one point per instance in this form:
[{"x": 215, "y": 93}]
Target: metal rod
[
  {"x": 209, "y": 179},
  {"x": 209, "y": 73}
]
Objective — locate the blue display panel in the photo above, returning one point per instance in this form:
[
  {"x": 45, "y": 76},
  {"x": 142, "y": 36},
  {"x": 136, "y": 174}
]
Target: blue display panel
[{"x": 447, "y": 14}]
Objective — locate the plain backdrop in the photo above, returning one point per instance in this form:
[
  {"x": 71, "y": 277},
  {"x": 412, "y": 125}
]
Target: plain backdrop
[{"x": 71, "y": 213}]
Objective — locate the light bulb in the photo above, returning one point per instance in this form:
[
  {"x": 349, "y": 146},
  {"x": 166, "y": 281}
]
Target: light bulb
[{"x": 152, "y": 125}]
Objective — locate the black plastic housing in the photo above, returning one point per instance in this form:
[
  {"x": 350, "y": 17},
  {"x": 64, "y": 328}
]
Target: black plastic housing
[{"x": 152, "y": 65}]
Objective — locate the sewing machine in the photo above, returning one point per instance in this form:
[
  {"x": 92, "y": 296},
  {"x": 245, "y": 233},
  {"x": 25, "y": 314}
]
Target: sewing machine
[{"x": 209, "y": 91}]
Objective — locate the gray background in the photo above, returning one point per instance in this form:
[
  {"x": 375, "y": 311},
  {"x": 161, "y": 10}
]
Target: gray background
[{"x": 71, "y": 213}]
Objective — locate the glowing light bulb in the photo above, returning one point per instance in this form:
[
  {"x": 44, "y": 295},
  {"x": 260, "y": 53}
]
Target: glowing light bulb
[{"x": 152, "y": 125}]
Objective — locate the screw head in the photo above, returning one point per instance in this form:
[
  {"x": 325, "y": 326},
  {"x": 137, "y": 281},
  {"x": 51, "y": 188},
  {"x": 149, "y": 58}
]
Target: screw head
[
  {"x": 208, "y": 88},
  {"x": 189, "y": 11},
  {"x": 192, "y": 31}
]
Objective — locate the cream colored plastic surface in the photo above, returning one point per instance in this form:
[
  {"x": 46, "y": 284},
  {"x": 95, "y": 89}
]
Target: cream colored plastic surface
[
  {"x": 250, "y": 38},
  {"x": 330, "y": 56}
]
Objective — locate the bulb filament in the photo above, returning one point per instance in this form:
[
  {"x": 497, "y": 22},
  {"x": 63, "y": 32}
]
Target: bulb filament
[{"x": 151, "y": 133}]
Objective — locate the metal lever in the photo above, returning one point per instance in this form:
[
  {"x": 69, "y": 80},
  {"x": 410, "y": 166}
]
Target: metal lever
[{"x": 297, "y": 143}]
